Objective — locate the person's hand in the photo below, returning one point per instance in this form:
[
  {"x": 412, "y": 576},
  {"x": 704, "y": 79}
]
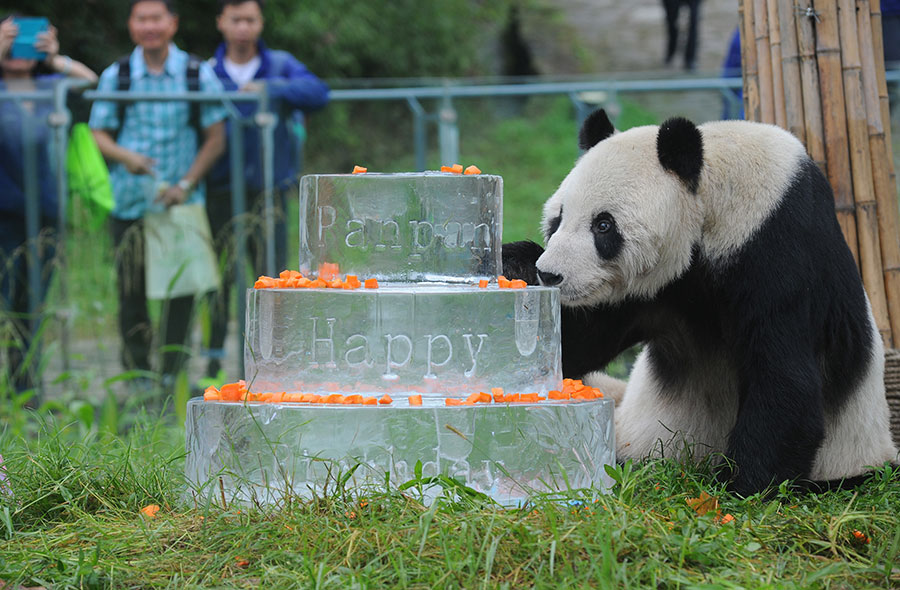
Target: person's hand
[
  {"x": 173, "y": 195},
  {"x": 8, "y": 32},
  {"x": 139, "y": 164},
  {"x": 47, "y": 42}
]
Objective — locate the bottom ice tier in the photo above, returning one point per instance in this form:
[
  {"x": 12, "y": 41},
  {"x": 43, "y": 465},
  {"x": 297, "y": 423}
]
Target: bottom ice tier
[{"x": 506, "y": 451}]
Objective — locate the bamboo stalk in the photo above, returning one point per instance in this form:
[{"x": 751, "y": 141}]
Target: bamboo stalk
[
  {"x": 775, "y": 57},
  {"x": 882, "y": 162},
  {"x": 790, "y": 70},
  {"x": 834, "y": 119},
  {"x": 763, "y": 61},
  {"x": 812, "y": 102},
  {"x": 867, "y": 226},
  {"x": 878, "y": 50},
  {"x": 748, "y": 61}
]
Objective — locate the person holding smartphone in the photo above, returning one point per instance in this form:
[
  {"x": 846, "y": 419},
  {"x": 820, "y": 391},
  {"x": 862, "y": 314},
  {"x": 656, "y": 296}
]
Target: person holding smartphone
[{"x": 23, "y": 125}]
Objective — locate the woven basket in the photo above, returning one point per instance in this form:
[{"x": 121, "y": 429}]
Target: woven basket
[{"x": 892, "y": 389}]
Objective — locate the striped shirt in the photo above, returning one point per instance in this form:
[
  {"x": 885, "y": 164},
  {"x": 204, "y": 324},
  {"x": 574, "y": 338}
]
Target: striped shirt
[{"x": 160, "y": 130}]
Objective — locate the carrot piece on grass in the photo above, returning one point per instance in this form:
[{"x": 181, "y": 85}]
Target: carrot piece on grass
[
  {"x": 150, "y": 510},
  {"x": 483, "y": 283},
  {"x": 370, "y": 401},
  {"x": 371, "y": 283},
  {"x": 473, "y": 169},
  {"x": 359, "y": 170},
  {"x": 386, "y": 399},
  {"x": 453, "y": 402},
  {"x": 415, "y": 400}
]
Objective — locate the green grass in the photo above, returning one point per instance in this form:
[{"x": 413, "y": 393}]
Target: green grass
[{"x": 72, "y": 521}]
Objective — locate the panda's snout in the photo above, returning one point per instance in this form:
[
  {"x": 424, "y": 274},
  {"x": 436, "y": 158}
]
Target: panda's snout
[{"x": 548, "y": 279}]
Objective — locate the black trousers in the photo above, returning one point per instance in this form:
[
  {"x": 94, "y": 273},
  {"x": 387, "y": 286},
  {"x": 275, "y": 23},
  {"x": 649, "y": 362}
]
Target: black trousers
[
  {"x": 673, "y": 7},
  {"x": 135, "y": 327}
]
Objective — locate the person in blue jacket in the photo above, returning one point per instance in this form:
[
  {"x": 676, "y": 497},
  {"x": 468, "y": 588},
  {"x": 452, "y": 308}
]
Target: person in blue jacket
[{"x": 243, "y": 62}]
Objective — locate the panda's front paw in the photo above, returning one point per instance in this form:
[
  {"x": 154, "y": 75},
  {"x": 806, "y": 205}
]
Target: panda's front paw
[{"x": 520, "y": 261}]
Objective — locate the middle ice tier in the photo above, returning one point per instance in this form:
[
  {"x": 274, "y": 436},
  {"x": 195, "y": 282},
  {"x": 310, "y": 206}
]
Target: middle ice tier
[{"x": 447, "y": 340}]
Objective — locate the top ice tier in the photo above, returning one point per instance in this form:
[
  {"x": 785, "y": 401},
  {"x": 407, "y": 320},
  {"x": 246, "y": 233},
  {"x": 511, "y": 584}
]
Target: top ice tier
[{"x": 416, "y": 227}]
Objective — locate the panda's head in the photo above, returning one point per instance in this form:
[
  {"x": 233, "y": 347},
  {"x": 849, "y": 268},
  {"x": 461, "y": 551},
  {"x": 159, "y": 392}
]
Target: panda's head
[{"x": 624, "y": 221}]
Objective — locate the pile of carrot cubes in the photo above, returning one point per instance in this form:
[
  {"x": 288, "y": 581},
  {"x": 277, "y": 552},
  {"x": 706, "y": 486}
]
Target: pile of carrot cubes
[
  {"x": 292, "y": 279},
  {"x": 454, "y": 169},
  {"x": 572, "y": 389}
]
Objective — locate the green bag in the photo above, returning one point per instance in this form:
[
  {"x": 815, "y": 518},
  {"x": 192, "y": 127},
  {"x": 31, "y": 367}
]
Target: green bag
[{"x": 90, "y": 194}]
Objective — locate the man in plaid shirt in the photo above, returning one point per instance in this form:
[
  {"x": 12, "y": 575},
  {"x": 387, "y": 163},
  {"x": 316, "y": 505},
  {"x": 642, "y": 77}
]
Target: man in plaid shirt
[{"x": 156, "y": 163}]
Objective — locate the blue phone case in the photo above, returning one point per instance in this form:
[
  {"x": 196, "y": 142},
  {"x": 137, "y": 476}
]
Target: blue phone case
[{"x": 29, "y": 28}]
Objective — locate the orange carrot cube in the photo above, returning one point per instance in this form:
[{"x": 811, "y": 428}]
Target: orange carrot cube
[
  {"x": 371, "y": 283},
  {"x": 370, "y": 401},
  {"x": 386, "y": 399},
  {"x": 415, "y": 400},
  {"x": 484, "y": 398},
  {"x": 483, "y": 283},
  {"x": 334, "y": 398},
  {"x": 503, "y": 282},
  {"x": 359, "y": 170},
  {"x": 452, "y": 402},
  {"x": 353, "y": 399},
  {"x": 473, "y": 169},
  {"x": 517, "y": 284}
]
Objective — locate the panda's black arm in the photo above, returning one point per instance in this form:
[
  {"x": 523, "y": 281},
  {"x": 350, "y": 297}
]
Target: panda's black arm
[{"x": 520, "y": 260}]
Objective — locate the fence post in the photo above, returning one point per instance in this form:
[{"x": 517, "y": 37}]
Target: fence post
[
  {"x": 448, "y": 133},
  {"x": 238, "y": 209}
]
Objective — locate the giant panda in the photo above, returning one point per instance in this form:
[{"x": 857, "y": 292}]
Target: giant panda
[{"x": 717, "y": 247}]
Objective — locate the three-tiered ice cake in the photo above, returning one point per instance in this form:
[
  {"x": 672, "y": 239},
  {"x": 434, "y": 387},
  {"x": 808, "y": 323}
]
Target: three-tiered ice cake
[{"x": 429, "y": 330}]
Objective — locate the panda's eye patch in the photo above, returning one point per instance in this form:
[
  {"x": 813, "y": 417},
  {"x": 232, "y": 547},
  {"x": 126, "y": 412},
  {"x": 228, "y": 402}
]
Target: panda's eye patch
[{"x": 607, "y": 238}]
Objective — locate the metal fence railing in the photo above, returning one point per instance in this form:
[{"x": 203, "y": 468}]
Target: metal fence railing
[{"x": 584, "y": 94}]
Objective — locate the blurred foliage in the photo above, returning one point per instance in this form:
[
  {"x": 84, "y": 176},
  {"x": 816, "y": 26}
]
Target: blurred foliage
[{"x": 336, "y": 39}]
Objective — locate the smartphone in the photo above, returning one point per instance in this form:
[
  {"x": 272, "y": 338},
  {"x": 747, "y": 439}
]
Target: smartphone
[{"x": 29, "y": 29}]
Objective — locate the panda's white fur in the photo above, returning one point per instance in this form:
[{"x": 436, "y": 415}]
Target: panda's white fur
[{"x": 746, "y": 172}]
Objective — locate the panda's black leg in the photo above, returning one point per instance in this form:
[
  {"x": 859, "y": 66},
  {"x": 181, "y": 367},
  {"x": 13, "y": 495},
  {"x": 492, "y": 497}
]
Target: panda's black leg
[{"x": 780, "y": 422}]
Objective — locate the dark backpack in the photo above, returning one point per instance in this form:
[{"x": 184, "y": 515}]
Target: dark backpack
[{"x": 193, "y": 84}]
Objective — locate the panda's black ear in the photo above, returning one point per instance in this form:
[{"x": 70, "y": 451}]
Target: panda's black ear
[
  {"x": 679, "y": 146},
  {"x": 595, "y": 129}
]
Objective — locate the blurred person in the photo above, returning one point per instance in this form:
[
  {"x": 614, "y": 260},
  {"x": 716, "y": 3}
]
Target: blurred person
[
  {"x": 23, "y": 75},
  {"x": 731, "y": 68},
  {"x": 673, "y": 9},
  {"x": 157, "y": 160},
  {"x": 890, "y": 30},
  {"x": 244, "y": 62}
]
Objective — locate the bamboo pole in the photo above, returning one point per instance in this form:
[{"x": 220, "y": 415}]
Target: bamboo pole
[
  {"x": 834, "y": 119},
  {"x": 812, "y": 102},
  {"x": 867, "y": 230},
  {"x": 790, "y": 70},
  {"x": 882, "y": 163},
  {"x": 775, "y": 59},
  {"x": 763, "y": 61},
  {"x": 748, "y": 61}
]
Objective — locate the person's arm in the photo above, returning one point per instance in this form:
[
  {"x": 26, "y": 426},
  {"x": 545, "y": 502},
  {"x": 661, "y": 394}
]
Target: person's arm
[
  {"x": 48, "y": 43},
  {"x": 134, "y": 162},
  {"x": 297, "y": 86},
  {"x": 213, "y": 147}
]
